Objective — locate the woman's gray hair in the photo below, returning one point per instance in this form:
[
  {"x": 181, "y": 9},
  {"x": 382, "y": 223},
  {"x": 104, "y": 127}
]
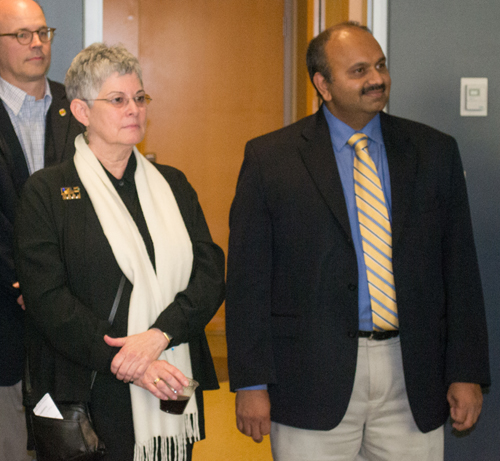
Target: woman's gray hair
[{"x": 94, "y": 65}]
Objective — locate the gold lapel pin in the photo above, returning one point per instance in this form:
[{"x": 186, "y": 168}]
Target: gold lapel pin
[
  {"x": 70, "y": 193},
  {"x": 62, "y": 112}
]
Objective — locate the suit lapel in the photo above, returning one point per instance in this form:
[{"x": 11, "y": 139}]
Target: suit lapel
[
  {"x": 75, "y": 215},
  {"x": 57, "y": 125},
  {"x": 402, "y": 160},
  {"x": 319, "y": 159},
  {"x": 11, "y": 150}
]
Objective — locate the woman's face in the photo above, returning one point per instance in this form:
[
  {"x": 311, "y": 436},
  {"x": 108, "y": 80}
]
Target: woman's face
[{"x": 111, "y": 127}]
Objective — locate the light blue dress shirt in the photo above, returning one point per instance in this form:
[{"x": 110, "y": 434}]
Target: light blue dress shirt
[
  {"x": 28, "y": 119},
  {"x": 344, "y": 155}
]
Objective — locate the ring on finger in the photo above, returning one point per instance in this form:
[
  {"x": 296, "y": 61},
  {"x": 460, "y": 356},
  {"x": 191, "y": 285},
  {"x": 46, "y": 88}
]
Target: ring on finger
[{"x": 156, "y": 381}]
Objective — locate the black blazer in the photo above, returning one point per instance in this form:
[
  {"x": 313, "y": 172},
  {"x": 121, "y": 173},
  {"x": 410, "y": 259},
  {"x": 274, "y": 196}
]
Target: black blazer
[
  {"x": 70, "y": 276},
  {"x": 292, "y": 298},
  {"x": 60, "y": 132}
]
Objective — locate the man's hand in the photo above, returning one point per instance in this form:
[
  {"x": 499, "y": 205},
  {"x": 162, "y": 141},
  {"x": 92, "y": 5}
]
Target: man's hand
[
  {"x": 20, "y": 299},
  {"x": 136, "y": 354},
  {"x": 253, "y": 413},
  {"x": 466, "y": 400}
]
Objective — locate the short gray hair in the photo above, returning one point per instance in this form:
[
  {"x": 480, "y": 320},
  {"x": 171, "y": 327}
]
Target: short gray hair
[{"x": 94, "y": 65}]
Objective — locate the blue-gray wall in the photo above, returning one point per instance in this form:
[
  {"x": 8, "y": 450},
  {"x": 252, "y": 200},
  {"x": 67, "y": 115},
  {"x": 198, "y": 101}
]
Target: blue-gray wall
[
  {"x": 67, "y": 17},
  {"x": 431, "y": 45}
]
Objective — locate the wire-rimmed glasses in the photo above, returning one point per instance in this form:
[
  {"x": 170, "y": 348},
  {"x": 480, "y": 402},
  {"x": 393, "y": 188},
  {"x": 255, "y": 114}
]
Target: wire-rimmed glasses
[{"x": 122, "y": 101}]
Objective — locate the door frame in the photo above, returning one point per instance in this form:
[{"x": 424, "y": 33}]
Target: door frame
[
  {"x": 92, "y": 22},
  {"x": 378, "y": 11}
]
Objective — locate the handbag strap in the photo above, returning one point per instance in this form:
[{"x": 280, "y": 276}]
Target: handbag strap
[
  {"x": 114, "y": 308},
  {"x": 118, "y": 296},
  {"x": 112, "y": 314}
]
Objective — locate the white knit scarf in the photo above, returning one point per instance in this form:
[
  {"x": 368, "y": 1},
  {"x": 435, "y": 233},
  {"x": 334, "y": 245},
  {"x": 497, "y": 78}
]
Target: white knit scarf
[{"x": 152, "y": 291}]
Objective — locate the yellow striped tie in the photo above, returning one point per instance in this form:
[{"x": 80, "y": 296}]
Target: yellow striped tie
[{"x": 376, "y": 236}]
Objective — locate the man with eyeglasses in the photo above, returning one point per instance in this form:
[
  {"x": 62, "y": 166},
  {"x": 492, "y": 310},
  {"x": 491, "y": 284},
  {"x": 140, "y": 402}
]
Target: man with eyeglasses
[{"x": 36, "y": 130}]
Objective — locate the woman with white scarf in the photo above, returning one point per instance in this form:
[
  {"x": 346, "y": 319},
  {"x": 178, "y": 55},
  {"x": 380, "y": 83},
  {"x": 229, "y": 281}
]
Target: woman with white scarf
[{"x": 83, "y": 225}]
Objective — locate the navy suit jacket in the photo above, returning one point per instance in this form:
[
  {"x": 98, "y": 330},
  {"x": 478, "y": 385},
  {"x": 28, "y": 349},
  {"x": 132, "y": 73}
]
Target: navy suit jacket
[
  {"x": 60, "y": 132},
  {"x": 292, "y": 295}
]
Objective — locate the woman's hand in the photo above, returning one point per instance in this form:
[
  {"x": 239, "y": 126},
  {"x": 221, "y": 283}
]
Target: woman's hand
[
  {"x": 162, "y": 380},
  {"x": 136, "y": 354}
]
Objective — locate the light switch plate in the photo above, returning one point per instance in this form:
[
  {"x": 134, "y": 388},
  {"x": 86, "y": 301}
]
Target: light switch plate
[{"x": 473, "y": 97}]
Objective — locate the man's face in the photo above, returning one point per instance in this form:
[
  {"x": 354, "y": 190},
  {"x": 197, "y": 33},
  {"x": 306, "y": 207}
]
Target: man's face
[
  {"x": 22, "y": 64},
  {"x": 360, "y": 82}
]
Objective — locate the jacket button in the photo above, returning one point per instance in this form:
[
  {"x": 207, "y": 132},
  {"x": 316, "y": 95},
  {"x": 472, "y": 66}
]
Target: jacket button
[
  {"x": 353, "y": 334},
  {"x": 352, "y": 287}
]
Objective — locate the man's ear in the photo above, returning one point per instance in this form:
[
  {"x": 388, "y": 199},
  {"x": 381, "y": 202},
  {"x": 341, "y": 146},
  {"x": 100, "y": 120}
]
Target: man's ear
[
  {"x": 322, "y": 86},
  {"x": 80, "y": 111}
]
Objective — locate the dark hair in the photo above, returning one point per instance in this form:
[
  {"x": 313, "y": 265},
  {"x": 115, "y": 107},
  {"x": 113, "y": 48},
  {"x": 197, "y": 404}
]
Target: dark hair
[{"x": 316, "y": 58}]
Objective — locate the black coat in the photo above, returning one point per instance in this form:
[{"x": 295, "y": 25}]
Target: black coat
[
  {"x": 60, "y": 132},
  {"x": 292, "y": 298},
  {"x": 70, "y": 277}
]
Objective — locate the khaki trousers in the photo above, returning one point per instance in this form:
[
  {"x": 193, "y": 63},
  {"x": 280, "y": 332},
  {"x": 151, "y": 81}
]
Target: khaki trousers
[
  {"x": 13, "y": 435},
  {"x": 378, "y": 424}
]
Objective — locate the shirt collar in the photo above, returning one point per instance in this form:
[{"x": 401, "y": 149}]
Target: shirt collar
[
  {"x": 14, "y": 97},
  {"x": 128, "y": 174},
  {"x": 340, "y": 132}
]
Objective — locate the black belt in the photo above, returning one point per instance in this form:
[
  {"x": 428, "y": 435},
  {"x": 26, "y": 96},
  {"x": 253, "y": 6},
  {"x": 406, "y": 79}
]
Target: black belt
[{"x": 378, "y": 335}]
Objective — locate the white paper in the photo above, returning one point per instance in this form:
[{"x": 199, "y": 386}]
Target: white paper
[{"x": 47, "y": 408}]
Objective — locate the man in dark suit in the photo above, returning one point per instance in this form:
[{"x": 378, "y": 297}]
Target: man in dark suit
[
  {"x": 36, "y": 130},
  {"x": 355, "y": 317}
]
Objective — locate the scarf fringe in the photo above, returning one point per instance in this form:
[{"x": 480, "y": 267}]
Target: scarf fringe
[{"x": 170, "y": 448}]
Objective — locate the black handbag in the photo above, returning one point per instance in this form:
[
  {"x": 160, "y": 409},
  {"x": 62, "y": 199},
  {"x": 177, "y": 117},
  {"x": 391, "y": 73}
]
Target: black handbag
[{"x": 72, "y": 438}]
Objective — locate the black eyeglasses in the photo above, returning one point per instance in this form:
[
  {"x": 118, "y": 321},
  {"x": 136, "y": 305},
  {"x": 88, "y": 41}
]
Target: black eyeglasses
[
  {"x": 25, "y": 36},
  {"x": 122, "y": 101}
]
